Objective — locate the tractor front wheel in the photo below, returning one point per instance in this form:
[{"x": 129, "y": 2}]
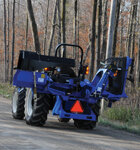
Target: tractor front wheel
[
  {"x": 36, "y": 110},
  {"x": 18, "y": 102}
]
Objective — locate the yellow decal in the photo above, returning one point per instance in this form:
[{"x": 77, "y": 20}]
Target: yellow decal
[{"x": 42, "y": 75}]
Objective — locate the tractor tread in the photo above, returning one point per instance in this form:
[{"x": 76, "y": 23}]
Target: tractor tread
[
  {"x": 40, "y": 112},
  {"x": 19, "y": 114}
]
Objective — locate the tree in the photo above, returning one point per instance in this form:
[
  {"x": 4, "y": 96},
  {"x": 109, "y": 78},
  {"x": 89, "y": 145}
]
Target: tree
[
  {"x": 93, "y": 34},
  {"x": 133, "y": 41},
  {"x": 130, "y": 28},
  {"x": 75, "y": 28},
  {"x": 63, "y": 24},
  {"x": 8, "y": 36},
  {"x": 33, "y": 26},
  {"x": 116, "y": 26},
  {"x": 26, "y": 33},
  {"x": 13, "y": 42},
  {"x": 104, "y": 31},
  {"x": 76, "y": 32},
  {"x": 5, "y": 40},
  {"x": 121, "y": 36},
  {"x": 98, "y": 45},
  {"x": 138, "y": 53},
  {"x": 59, "y": 22},
  {"x": 53, "y": 27},
  {"x": 46, "y": 27},
  {"x": 111, "y": 29}
]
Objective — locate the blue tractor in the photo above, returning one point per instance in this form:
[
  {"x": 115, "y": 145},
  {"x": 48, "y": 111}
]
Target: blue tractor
[{"x": 46, "y": 83}]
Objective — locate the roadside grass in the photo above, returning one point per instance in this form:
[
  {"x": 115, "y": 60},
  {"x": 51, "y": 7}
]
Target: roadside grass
[
  {"x": 122, "y": 118},
  {"x": 6, "y": 90}
]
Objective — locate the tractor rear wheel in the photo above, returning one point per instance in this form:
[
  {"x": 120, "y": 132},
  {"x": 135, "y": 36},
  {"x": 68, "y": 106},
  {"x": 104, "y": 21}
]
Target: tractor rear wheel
[
  {"x": 66, "y": 120},
  {"x": 96, "y": 109},
  {"x": 36, "y": 110},
  {"x": 84, "y": 124},
  {"x": 18, "y": 102},
  {"x": 87, "y": 124}
]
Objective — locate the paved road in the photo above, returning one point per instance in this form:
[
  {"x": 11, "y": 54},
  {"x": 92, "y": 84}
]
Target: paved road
[{"x": 16, "y": 135}]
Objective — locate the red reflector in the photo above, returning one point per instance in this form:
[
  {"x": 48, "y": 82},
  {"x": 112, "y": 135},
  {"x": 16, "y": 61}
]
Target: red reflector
[{"x": 77, "y": 108}]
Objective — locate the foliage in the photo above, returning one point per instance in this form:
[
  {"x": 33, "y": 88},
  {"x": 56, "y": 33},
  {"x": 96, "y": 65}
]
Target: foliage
[
  {"x": 6, "y": 90},
  {"x": 122, "y": 118},
  {"x": 133, "y": 128},
  {"x": 119, "y": 113}
]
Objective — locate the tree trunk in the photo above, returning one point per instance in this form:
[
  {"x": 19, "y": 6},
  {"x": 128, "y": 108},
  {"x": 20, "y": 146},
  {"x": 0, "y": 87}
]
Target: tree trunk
[
  {"x": 5, "y": 41},
  {"x": 46, "y": 28},
  {"x": 134, "y": 31},
  {"x": 63, "y": 24},
  {"x": 131, "y": 21},
  {"x": 13, "y": 42},
  {"x": 53, "y": 28},
  {"x": 8, "y": 37},
  {"x": 98, "y": 45},
  {"x": 26, "y": 33},
  {"x": 75, "y": 29},
  {"x": 121, "y": 37},
  {"x": 59, "y": 23},
  {"x": 92, "y": 55},
  {"x": 138, "y": 61},
  {"x": 116, "y": 26},
  {"x": 111, "y": 29},
  {"x": 137, "y": 75},
  {"x": 75, "y": 33},
  {"x": 18, "y": 11},
  {"x": 104, "y": 31},
  {"x": 33, "y": 26}
]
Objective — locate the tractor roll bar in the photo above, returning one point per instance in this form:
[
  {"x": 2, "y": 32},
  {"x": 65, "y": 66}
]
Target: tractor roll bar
[{"x": 72, "y": 45}]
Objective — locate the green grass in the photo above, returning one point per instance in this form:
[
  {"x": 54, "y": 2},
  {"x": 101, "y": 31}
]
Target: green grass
[
  {"x": 120, "y": 125},
  {"x": 122, "y": 118},
  {"x": 6, "y": 90},
  {"x": 119, "y": 113}
]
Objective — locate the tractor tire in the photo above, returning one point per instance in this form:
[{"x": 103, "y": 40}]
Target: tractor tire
[
  {"x": 36, "y": 111},
  {"x": 87, "y": 124},
  {"x": 84, "y": 124},
  {"x": 96, "y": 109},
  {"x": 66, "y": 120},
  {"x": 18, "y": 102}
]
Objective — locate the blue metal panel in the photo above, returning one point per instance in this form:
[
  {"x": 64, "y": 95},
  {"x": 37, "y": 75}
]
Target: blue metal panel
[
  {"x": 23, "y": 79},
  {"x": 26, "y": 79},
  {"x": 58, "y": 106},
  {"x": 58, "y": 110},
  {"x": 91, "y": 117}
]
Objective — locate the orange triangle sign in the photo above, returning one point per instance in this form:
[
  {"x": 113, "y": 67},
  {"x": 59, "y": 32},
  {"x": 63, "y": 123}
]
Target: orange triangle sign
[{"x": 77, "y": 108}]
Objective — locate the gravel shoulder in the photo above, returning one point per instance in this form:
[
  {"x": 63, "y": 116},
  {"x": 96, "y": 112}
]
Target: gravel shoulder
[{"x": 16, "y": 135}]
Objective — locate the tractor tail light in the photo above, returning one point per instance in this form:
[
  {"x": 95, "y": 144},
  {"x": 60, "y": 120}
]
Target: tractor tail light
[
  {"x": 116, "y": 73},
  {"x": 87, "y": 70},
  {"x": 47, "y": 69}
]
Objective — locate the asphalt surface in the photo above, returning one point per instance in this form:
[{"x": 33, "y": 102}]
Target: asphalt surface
[{"x": 16, "y": 135}]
